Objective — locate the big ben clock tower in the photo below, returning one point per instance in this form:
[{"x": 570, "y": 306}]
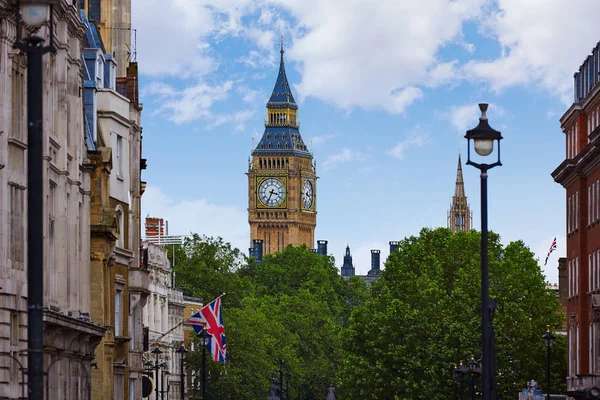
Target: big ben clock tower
[{"x": 282, "y": 179}]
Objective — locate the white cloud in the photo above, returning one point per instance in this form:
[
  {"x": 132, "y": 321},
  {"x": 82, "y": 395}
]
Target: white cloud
[
  {"x": 357, "y": 55},
  {"x": 238, "y": 119},
  {"x": 543, "y": 43},
  {"x": 317, "y": 140},
  {"x": 191, "y": 103},
  {"x": 416, "y": 137},
  {"x": 198, "y": 216},
  {"x": 344, "y": 156},
  {"x": 467, "y": 116},
  {"x": 444, "y": 73},
  {"x": 352, "y": 54}
]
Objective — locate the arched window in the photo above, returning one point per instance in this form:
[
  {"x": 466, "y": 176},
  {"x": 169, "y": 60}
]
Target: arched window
[
  {"x": 283, "y": 136},
  {"x": 268, "y": 136},
  {"x": 120, "y": 215},
  {"x": 275, "y": 137}
]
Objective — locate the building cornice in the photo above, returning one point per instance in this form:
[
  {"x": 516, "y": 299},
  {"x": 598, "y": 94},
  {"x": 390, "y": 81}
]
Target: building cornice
[{"x": 582, "y": 165}]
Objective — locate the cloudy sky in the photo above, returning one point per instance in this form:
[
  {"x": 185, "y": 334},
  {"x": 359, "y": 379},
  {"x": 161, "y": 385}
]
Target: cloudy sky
[{"x": 386, "y": 91}]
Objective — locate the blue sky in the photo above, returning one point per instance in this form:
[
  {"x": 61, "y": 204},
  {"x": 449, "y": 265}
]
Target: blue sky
[{"x": 386, "y": 91}]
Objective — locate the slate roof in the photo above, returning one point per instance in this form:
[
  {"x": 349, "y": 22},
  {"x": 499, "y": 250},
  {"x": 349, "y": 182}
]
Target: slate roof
[
  {"x": 282, "y": 139},
  {"x": 277, "y": 140},
  {"x": 282, "y": 94}
]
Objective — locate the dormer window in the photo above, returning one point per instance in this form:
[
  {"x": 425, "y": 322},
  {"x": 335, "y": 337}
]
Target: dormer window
[
  {"x": 275, "y": 137},
  {"x": 278, "y": 146},
  {"x": 269, "y": 145},
  {"x": 283, "y": 136}
]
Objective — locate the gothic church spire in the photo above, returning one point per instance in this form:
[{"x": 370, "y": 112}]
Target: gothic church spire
[{"x": 459, "y": 215}]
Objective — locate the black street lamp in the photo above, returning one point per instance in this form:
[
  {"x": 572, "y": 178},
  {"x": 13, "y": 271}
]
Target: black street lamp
[
  {"x": 548, "y": 339},
  {"x": 157, "y": 366},
  {"x": 194, "y": 383},
  {"x": 280, "y": 370},
  {"x": 181, "y": 350},
  {"x": 483, "y": 136},
  {"x": 204, "y": 340},
  {"x": 469, "y": 374},
  {"x": 34, "y": 14},
  {"x": 459, "y": 373},
  {"x": 208, "y": 376}
]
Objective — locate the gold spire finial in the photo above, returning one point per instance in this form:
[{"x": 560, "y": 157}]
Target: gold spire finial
[{"x": 281, "y": 43}]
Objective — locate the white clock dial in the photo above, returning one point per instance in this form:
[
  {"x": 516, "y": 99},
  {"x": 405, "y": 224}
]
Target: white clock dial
[
  {"x": 271, "y": 192},
  {"x": 307, "y": 194}
]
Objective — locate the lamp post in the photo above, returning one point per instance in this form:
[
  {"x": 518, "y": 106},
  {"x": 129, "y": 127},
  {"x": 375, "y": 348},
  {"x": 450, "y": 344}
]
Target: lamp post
[
  {"x": 459, "y": 373},
  {"x": 548, "y": 339},
  {"x": 280, "y": 370},
  {"x": 204, "y": 339},
  {"x": 157, "y": 353},
  {"x": 34, "y": 14},
  {"x": 208, "y": 376},
  {"x": 181, "y": 350},
  {"x": 483, "y": 136},
  {"x": 194, "y": 383}
]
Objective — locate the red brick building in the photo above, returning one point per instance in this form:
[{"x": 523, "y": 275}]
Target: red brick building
[{"x": 579, "y": 174}]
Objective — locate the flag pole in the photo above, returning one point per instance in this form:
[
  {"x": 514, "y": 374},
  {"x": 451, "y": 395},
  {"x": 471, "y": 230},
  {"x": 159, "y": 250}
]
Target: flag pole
[{"x": 181, "y": 323}]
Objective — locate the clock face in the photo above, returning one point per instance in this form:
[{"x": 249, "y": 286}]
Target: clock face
[
  {"x": 271, "y": 192},
  {"x": 307, "y": 194}
]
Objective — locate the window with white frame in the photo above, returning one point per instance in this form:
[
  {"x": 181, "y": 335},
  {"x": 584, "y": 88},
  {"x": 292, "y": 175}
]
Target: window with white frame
[
  {"x": 597, "y": 200},
  {"x": 576, "y": 275},
  {"x": 569, "y": 217},
  {"x": 589, "y": 272},
  {"x": 118, "y": 312},
  {"x": 120, "y": 215},
  {"x": 119, "y": 156},
  {"x": 589, "y": 204},
  {"x": 577, "y": 210}
]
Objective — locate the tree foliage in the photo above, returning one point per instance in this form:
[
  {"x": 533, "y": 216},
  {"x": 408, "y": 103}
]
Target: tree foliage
[
  {"x": 424, "y": 314},
  {"x": 395, "y": 340},
  {"x": 292, "y": 306}
]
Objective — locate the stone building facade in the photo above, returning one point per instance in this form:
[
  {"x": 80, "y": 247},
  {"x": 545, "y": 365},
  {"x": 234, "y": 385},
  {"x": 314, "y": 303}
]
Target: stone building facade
[
  {"x": 119, "y": 277},
  {"x": 70, "y": 335},
  {"x": 163, "y": 315}
]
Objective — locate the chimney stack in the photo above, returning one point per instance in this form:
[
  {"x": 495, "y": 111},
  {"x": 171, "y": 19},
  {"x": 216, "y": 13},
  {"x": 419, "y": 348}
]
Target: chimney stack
[
  {"x": 155, "y": 227},
  {"x": 393, "y": 247},
  {"x": 322, "y": 247},
  {"x": 375, "y": 262}
]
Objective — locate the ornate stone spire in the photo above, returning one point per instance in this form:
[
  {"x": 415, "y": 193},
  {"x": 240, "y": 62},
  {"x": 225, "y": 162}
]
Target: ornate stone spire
[{"x": 459, "y": 216}]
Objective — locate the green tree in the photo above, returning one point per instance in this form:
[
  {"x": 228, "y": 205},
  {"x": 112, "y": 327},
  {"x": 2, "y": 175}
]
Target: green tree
[
  {"x": 206, "y": 267},
  {"x": 424, "y": 314},
  {"x": 293, "y": 306}
]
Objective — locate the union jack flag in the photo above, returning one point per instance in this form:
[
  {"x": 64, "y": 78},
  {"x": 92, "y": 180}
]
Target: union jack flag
[
  {"x": 552, "y": 248},
  {"x": 210, "y": 318}
]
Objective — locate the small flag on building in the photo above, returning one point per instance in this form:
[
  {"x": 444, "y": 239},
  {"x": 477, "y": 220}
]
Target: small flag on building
[
  {"x": 210, "y": 318},
  {"x": 552, "y": 248}
]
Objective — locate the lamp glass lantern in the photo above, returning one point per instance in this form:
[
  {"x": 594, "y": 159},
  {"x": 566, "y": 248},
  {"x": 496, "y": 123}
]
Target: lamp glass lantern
[
  {"x": 483, "y": 136},
  {"x": 182, "y": 351},
  {"x": 35, "y": 13},
  {"x": 205, "y": 337},
  {"x": 548, "y": 337}
]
